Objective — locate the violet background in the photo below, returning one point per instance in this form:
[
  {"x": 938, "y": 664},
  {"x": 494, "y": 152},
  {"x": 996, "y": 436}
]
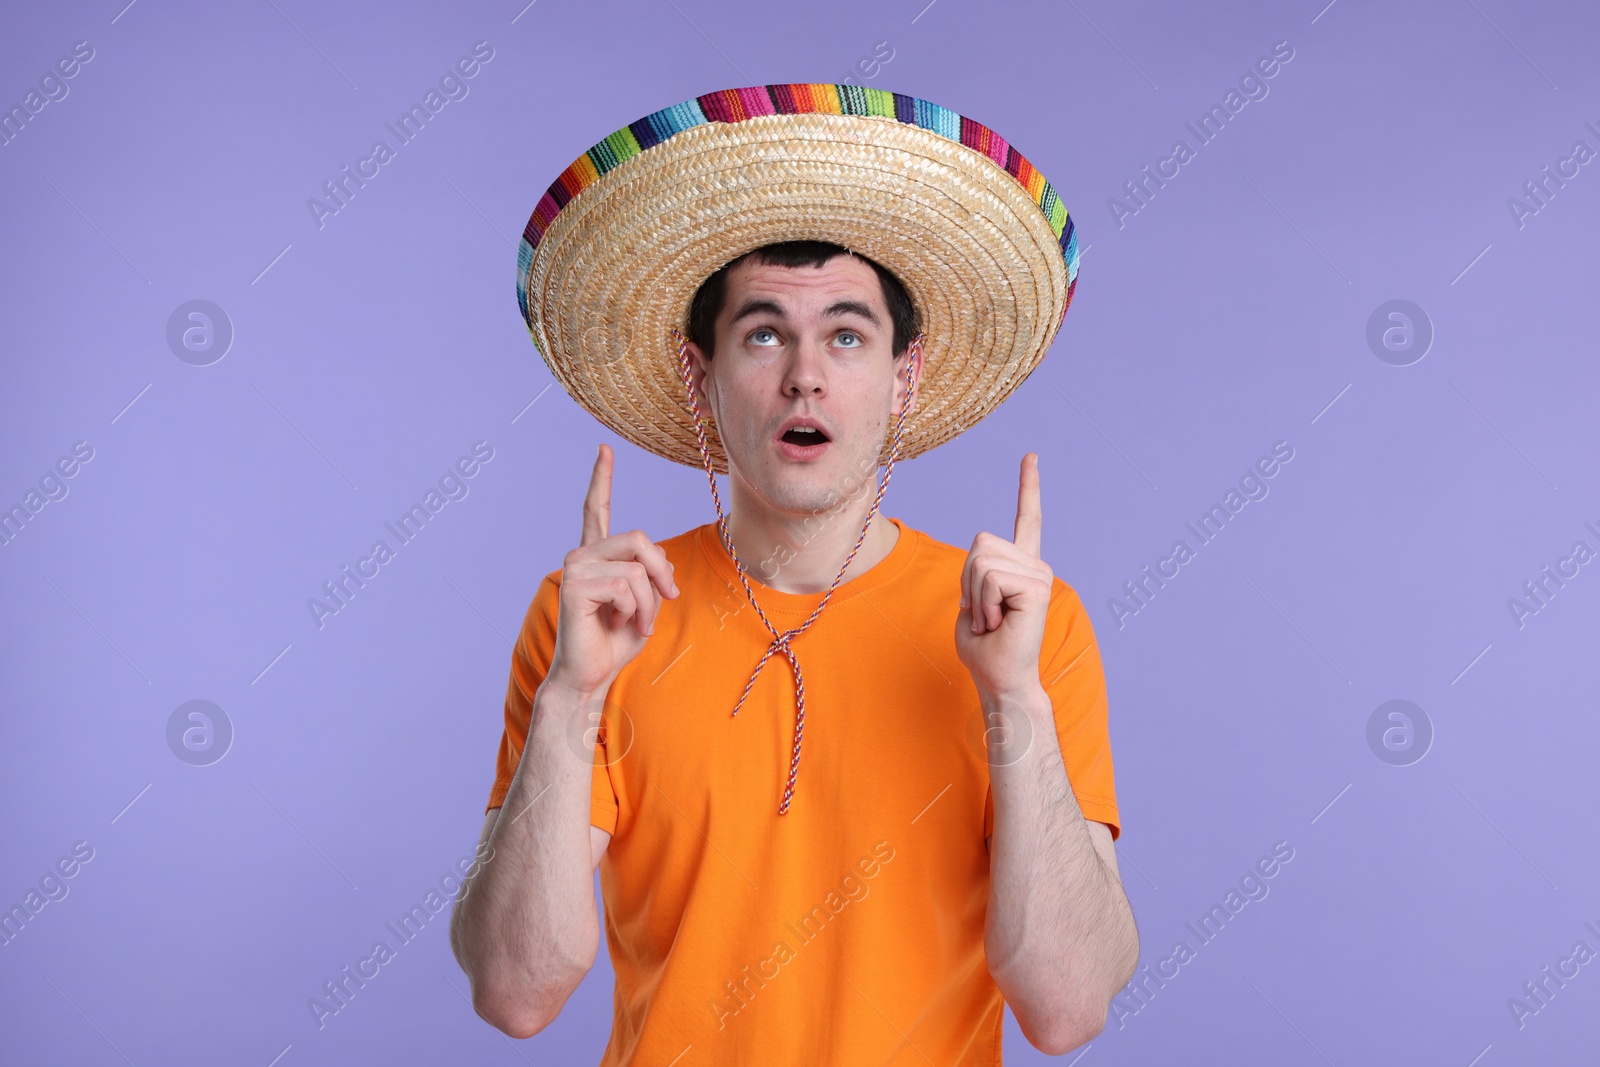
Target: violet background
[{"x": 1229, "y": 313}]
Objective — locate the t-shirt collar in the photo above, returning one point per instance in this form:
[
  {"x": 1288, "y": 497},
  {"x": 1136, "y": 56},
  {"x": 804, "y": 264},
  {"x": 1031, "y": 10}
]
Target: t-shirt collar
[{"x": 885, "y": 570}]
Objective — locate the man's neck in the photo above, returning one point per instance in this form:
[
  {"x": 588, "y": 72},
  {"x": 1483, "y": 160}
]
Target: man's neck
[{"x": 802, "y": 554}]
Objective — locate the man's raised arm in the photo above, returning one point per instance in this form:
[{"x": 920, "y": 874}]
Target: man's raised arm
[
  {"x": 525, "y": 928},
  {"x": 1059, "y": 934}
]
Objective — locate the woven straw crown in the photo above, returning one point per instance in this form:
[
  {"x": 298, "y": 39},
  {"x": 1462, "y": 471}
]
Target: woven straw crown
[{"x": 619, "y": 243}]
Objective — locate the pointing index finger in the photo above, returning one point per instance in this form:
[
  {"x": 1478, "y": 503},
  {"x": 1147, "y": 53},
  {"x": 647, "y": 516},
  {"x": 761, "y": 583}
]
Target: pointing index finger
[
  {"x": 597, "y": 503},
  {"x": 1029, "y": 518}
]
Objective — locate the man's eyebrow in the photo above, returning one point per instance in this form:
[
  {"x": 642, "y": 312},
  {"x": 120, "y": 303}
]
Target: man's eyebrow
[
  {"x": 851, "y": 307},
  {"x": 756, "y": 307}
]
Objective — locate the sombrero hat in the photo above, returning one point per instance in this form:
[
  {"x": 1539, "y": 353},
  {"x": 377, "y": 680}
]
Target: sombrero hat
[{"x": 619, "y": 243}]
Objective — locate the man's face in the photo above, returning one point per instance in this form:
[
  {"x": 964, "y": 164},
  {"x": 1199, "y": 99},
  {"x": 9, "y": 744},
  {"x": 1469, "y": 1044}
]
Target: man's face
[{"x": 803, "y": 346}]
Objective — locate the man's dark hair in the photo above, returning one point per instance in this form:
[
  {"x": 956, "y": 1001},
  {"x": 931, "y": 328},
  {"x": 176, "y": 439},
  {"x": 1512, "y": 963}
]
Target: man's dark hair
[{"x": 713, "y": 292}]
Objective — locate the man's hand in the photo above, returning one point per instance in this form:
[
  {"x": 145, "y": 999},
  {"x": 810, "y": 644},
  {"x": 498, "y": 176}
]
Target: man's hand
[
  {"x": 1005, "y": 592},
  {"x": 611, "y": 590}
]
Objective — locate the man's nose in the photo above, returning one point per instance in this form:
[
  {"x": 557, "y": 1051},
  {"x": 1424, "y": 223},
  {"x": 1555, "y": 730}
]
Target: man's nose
[{"x": 805, "y": 371}]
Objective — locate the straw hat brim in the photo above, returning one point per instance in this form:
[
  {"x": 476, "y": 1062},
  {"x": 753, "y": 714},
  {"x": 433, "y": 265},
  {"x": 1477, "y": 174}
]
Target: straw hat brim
[{"x": 617, "y": 267}]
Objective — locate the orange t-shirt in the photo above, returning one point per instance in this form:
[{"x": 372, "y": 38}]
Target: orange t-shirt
[{"x": 850, "y": 929}]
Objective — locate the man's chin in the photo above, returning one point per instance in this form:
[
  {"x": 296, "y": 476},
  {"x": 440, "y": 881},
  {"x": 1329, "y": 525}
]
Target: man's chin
[{"x": 806, "y": 489}]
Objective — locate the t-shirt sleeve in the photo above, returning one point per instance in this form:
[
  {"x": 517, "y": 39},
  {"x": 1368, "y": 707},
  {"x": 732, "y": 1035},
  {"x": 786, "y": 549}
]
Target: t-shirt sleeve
[
  {"x": 1072, "y": 674},
  {"x": 530, "y": 662}
]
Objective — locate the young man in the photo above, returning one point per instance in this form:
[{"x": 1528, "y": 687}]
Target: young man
[{"x": 946, "y": 839}]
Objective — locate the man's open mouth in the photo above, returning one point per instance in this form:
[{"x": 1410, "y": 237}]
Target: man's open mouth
[{"x": 804, "y": 435}]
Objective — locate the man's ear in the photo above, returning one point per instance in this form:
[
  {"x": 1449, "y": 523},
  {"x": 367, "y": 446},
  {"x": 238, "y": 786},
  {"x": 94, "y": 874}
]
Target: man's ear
[
  {"x": 699, "y": 373},
  {"x": 915, "y": 355}
]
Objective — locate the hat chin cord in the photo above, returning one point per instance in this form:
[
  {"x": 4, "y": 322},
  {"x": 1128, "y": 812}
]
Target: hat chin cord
[{"x": 782, "y": 640}]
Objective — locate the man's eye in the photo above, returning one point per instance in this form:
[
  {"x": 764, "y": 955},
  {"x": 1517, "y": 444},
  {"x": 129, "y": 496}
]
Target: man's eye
[
  {"x": 850, "y": 336},
  {"x": 756, "y": 335}
]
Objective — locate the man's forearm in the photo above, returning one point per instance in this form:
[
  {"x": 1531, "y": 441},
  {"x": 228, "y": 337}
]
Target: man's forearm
[
  {"x": 525, "y": 929},
  {"x": 1059, "y": 935}
]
